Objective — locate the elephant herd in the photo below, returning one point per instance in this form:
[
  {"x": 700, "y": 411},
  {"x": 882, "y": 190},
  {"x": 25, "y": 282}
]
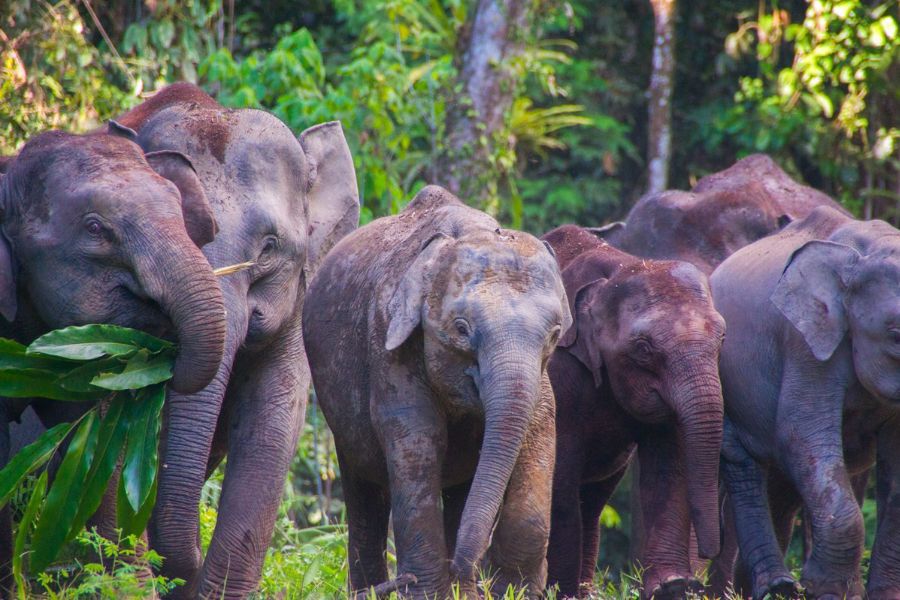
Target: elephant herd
[{"x": 486, "y": 389}]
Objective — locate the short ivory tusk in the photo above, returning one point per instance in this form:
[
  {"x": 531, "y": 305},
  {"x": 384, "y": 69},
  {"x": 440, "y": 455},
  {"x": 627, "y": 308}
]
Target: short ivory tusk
[{"x": 222, "y": 271}]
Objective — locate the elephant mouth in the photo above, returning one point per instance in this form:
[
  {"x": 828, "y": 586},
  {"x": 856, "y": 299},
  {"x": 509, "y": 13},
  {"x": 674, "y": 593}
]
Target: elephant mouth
[{"x": 137, "y": 310}]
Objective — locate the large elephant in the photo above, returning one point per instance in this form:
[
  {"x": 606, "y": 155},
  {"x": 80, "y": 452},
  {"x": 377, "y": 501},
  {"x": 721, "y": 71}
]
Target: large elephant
[
  {"x": 280, "y": 203},
  {"x": 811, "y": 377},
  {"x": 724, "y": 212},
  {"x": 95, "y": 230},
  {"x": 428, "y": 336},
  {"x": 637, "y": 370}
]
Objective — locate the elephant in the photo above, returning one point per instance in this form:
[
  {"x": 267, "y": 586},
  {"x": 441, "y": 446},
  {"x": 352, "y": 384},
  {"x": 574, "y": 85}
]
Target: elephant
[
  {"x": 811, "y": 378},
  {"x": 636, "y": 373},
  {"x": 280, "y": 203},
  {"x": 724, "y": 212},
  {"x": 428, "y": 334},
  {"x": 96, "y": 230}
]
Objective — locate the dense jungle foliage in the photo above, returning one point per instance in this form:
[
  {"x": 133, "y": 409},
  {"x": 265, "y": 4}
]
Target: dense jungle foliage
[{"x": 810, "y": 82}]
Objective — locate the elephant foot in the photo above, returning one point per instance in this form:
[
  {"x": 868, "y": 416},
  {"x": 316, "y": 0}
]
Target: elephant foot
[
  {"x": 835, "y": 590},
  {"x": 400, "y": 585},
  {"x": 883, "y": 593},
  {"x": 676, "y": 587},
  {"x": 782, "y": 586}
]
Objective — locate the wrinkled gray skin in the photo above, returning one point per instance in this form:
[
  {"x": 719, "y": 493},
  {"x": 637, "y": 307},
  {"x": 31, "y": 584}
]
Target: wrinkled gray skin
[
  {"x": 811, "y": 378},
  {"x": 723, "y": 213},
  {"x": 280, "y": 203},
  {"x": 428, "y": 335},
  {"x": 96, "y": 231}
]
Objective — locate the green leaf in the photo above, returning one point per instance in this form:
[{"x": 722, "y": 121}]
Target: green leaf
[
  {"x": 139, "y": 468},
  {"x": 36, "y": 383},
  {"x": 80, "y": 378},
  {"x": 13, "y": 355},
  {"x": 64, "y": 496},
  {"x": 133, "y": 522},
  {"x": 85, "y": 342},
  {"x": 142, "y": 370},
  {"x": 30, "y": 458},
  {"x": 34, "y": 503},
  {"x": 110, "y": 442}
]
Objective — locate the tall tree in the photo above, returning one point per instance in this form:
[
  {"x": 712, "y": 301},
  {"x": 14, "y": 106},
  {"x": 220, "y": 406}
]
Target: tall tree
[
  {"x": 493, "y": 36},
  {"x": 659, "y": 142}
]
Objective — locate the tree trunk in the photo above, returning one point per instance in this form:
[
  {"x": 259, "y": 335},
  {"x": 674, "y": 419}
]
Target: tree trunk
[
  {"x": 494, "y": 34},
  {"x": 659, "y": 142}
]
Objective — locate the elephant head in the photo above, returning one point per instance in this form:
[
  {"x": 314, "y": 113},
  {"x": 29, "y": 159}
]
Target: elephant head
[
  {"x": 830, "y": 290},
  {"x": 96, "y": 231},
  {"x": 650, "y": 328},
  {"x": 491, "y": 307}
]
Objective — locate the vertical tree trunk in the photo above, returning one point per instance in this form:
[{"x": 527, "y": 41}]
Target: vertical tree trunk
[
  {"x": 495, "y": 33},
  {"x": 659, "y": 142}
]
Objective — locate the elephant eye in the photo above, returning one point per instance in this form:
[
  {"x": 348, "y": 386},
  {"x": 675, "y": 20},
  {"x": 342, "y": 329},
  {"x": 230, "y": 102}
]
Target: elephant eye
[
  {"x": 462, "y": 327},
  {"x": 94, "y": 227},
  {"x": 643, "y": 351},
  {"x": 269, "y": 246},
  {"x": 554, "y": 335},
  {"x": 894, "y": 335}
]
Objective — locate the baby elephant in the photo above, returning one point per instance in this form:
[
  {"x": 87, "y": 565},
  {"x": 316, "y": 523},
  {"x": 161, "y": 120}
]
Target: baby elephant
[
  {"x": 638, "y": 369},
  {"x": 428, "y": 335}
]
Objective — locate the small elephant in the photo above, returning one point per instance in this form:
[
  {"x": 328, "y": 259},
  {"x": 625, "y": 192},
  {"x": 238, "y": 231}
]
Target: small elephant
[
  {"x": 95, "y": 230},
  {"x": 280, "y": 203},
  {"x": 428, "y": 335},
  {"x": 637, "y": 370},
  {"x": 811, "y": 377},
  {"x": 723, "y": 213}
]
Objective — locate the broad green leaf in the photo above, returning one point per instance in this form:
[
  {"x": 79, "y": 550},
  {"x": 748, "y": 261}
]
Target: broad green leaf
[
  {"x": 110, "y": 442},
  {"x": 142, "y": 370},
  {"x": 34, "y": 503},
  {"x": 30, "y": 458},
  {"x": 35, "y": 383},
  {"x": 133, "y": 522},
  {"x": 13, "y": 355},
  {"x": 63, "y": 498},
  {"x": 79, "y": 379},
  {"x": 139, "y": 467},
  {"x": 85, "y": 342}
]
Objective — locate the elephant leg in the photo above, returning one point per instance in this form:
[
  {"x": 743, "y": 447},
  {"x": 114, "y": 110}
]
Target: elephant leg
[
  {"x": 720, "y": 573},
  {"x": 368, "y": 510},
  {"x": 413, "y": 436},
  {"x": 594, "y": 497},
  {"x": 518, "y": 551},
  {"x": 454, "y": 502},
  {"x": 811, "y": 448},
  {"x": 884, "y": 568},
  {"x": 760, "y": 553},
  {"x": 666, "y": 518},
  {"x": 565, "y": 546},
  {"x": 267, "y": 401}
]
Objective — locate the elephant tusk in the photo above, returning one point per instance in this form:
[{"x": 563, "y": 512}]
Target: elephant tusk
[{"x": 222, "y": 271}]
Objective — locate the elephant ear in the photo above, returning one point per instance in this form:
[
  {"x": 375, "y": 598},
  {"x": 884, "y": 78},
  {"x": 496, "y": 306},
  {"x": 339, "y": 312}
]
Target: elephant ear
[
  {"x": 331, "y": 190},
  {"x": 8, "y": 303},
  {"x": 580, "y": 278},
  {"x": 195, "y": 208},
  {"x": 811, "y": 291},
  {"x": 405, "y": 306}
]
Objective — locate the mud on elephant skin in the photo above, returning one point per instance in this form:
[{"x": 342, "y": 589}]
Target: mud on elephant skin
[
  {"x": 636, "y": 373},
  {"x": 811, "y": 378},
  {"x": 95, "y": 230},
  {"x": 724, "y": 212},
  {"x": 428, "y": 334},
  {"x": 281, "y": 203}
]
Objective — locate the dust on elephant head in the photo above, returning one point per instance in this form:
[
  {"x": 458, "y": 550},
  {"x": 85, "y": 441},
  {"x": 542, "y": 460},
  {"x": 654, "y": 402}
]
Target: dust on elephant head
[{"x": 94, "y": 230}]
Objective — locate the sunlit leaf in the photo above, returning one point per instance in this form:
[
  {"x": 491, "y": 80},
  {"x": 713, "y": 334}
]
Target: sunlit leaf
[
  {"x": 140, "y": 463},
  {"x": 93, "y": 341},
  {"x": 30, "y": 458}
]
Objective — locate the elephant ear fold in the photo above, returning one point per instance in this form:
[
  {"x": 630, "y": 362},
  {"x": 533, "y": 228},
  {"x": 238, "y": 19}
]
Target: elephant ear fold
[
  {"x": 115, "y": 128},
  {"x": 580, "y": 279},
  {"x": 331, "y": 190},
  {"x": 8, "y": 302},
  {"x": 195, "y": 208},
  {"x": 811, "y": 293},
  {"x": 404, "y": 309}
]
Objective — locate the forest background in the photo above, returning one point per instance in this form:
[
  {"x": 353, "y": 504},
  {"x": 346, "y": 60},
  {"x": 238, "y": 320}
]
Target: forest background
[{"x": 542, "y": 112}]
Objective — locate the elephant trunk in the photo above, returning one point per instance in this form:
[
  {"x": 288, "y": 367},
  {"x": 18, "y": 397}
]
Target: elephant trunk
[
  {"x": 699, "y": 410},
  {"x": 509, "y": 385},
  {"x": 178, "y": 277}
]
